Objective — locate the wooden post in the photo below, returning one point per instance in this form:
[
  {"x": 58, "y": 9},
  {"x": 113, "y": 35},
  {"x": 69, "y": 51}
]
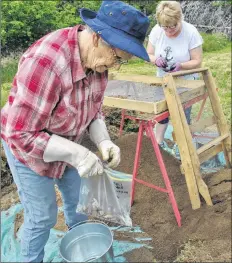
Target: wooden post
[
  {"x": 169, "y": 91},
  {"x": 219, "y": 115},
  {"x": 203, "y": 189}
]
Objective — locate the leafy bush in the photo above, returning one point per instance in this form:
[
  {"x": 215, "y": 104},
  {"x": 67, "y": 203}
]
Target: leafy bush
[
  {"x": 214, "y": 42},
  {"x": 24, "y": 22}
]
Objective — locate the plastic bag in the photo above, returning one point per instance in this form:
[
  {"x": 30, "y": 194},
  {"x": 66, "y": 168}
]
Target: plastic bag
[{"x": 107, "y": 197}]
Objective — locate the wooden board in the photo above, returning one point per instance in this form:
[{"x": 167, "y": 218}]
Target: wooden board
[
  {"x": 126, "y": 104},
  {"x": 149, "y": 107},
  {"x": 206, "y": 155},
  {"x": 137, "y": 78},
  {"x": 188, "y": 153},
  {"x": 188, "y": 169},
  {"x": 152, "y": 80},
  {"x": 212, "y": 143},
  {"x": 187, "y": 72},
  {"x": 219, "y": 115}
]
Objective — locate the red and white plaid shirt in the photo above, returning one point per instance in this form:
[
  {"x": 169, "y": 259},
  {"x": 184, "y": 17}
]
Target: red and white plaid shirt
[{"x": 51, "y": 94}]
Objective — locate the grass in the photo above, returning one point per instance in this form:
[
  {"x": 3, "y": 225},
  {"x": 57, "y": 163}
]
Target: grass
[
  {"x": 9, "y": 67},
  {"x": 217, "y": 57},
  {"x": 214, "y": 42},
  {"x": 8, "y": 71},
  {"x": 220, "y": 66},
  {"x": 5, "y": 87}
]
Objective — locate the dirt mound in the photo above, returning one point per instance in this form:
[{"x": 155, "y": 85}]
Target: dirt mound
[{"x": 207, "y": 229}]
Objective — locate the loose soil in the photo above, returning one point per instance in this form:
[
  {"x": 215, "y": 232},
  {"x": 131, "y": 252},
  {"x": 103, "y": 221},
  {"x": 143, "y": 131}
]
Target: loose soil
[
  {"x": 211, "y": 226},
  {"x": 205, "y": 234}
]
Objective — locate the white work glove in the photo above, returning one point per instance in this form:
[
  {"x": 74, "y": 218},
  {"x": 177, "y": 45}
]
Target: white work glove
[
  {"x": 61, "y": 149},
  {"x": 110, "y": 152},
  {"x": 99, "y": 135}
]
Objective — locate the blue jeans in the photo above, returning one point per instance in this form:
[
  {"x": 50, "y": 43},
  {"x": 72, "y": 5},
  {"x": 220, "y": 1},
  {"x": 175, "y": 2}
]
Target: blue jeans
[
  {"x": 187, "y": 115},
  {"x": 38, "y": 197}
]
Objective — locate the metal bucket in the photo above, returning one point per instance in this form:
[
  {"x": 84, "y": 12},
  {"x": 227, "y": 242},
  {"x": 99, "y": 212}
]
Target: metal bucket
[{"x": 88, "y": 241}]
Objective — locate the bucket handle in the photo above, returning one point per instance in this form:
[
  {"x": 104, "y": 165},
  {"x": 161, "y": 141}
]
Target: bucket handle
[{"x": 88, "y": 221}]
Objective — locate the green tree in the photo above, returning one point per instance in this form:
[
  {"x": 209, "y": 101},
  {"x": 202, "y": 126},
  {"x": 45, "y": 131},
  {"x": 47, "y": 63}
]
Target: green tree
[{"x": 23, "y": 22}]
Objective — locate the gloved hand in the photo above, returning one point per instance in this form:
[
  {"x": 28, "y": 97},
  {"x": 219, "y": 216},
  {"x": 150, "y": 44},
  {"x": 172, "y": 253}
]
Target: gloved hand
[
  {"x": 175, "y": 67},
  {"x": 110, "y": 152},
  {"x": 161, "y": 62},
  {"x": 90, "y": 166},
  {"x": 61, "y": 149},
  {"x": 99, "y": 135}
]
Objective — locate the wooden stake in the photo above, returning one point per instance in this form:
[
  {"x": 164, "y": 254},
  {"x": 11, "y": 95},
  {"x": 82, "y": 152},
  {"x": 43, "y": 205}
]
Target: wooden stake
[
  {"x": 169, "y": 91},
  {"x": 203, "y": 189},
  {"x": 219, "y": 115}
]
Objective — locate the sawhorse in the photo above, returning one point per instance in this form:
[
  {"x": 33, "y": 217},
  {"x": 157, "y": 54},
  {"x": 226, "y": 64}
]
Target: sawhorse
[{"x": 147, "y": 126}]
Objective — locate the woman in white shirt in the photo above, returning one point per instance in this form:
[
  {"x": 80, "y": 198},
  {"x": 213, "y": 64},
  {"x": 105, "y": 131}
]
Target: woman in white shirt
[{"x": 173, "y": 45}]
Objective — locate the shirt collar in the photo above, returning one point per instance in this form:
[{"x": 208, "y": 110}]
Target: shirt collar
[{"x": 78, "y": 72}]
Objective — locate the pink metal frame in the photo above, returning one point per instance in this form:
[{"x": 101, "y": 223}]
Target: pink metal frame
[
  {"x": 166, "y": 114},
  {"x": 147, "y": 126}
]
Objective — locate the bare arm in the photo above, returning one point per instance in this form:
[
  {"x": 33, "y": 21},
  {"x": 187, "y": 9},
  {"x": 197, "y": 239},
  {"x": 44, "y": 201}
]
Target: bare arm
[
  {"x": 151, "y": 52},
  {"x": 195, "y": 59}
]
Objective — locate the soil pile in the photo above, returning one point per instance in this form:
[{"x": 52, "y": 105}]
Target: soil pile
[{"x": 207, "y": 229}]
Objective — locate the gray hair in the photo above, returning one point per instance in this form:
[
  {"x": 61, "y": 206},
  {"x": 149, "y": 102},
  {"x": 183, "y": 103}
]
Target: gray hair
[{"x": 91, "y": 31}]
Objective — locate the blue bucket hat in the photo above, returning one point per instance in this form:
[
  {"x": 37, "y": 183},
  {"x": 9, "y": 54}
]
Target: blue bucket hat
[{"x": 120, "y": 25}]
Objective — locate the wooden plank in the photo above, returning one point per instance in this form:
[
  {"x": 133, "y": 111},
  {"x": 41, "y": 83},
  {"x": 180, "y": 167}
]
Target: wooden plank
[
  {"x": 202, "y": 124},
  {"x": 161, "y": 106},
  {"x": 138, "y": 78},
  {"x": 142, "y": 106},
  {"x": 203, "y": 189},
  {"x": 187, "y": 72},
  {"x": 150, "y": 107},
  {"x": 186, "y": 138},
  {"x": 219, "y": 115},
  {"x": 156, "y": 81},
  {"x": 169, "y": 91},
  {"x": 205, "y": 156},
  {"x": 212, "y": 143},
  {"x": 227, "y": 155}
]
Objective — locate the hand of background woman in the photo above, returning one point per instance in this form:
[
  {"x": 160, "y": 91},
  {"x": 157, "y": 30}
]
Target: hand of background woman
[
  {"x": 161, "y": 62},
  {"x": 175, "y": 67}
]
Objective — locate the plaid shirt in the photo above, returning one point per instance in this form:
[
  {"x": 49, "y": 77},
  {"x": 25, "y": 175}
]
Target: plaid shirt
[{"x": 51, "y": 94}]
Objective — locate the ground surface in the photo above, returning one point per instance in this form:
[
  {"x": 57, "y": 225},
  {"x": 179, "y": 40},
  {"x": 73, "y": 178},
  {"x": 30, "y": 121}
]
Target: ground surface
[{"x": 205, "y": 234}]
